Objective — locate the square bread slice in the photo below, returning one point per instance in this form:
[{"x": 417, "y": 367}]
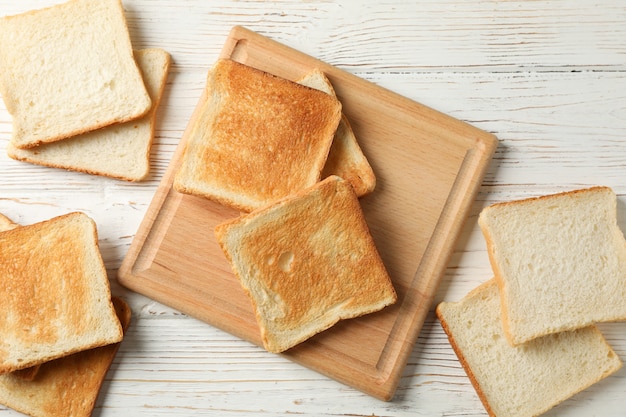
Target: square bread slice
[
  {"x": 26, "y": 373},
  {"x": 258, "y": 138},
  {"x": 55, "y": 292},
  {"x": 307, "y": 262},
  {"x": 560, "y": 261},
  {"x": 67, "y": 386},
  {"x": 527, "y": 380},
  {"x": 121, "y": 150},
  {"x": 68, "y": 69},
  {"x": 345, "y": 158}
]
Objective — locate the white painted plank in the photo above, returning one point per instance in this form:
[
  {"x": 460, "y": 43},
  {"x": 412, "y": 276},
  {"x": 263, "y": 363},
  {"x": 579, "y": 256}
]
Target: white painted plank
[{"x": 389, "y": 35}]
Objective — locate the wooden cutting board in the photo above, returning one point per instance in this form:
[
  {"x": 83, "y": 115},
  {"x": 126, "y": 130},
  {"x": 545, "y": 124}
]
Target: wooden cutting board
[{"x": 429, "y": 167}]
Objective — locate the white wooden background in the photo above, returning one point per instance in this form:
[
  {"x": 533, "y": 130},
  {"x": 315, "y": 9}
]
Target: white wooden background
[{"x": 547, "y": 77}]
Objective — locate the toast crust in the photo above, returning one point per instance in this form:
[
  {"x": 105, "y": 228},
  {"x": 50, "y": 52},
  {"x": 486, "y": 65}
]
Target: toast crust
[
  {"x": 6, "y": 223},
  {"x": 258, "y": 138},
  {"x": 461, "y": 357},
  {"x": 307, "y": 262}
]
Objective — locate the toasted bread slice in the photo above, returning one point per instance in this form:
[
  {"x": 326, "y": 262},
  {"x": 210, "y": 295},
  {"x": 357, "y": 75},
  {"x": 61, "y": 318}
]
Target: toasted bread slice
[
  {"x": 68, "y": 69},
  {"x": 27, "y": 373},
  {"x": 560, "y": 261},
  {"x": 345, "y": 159},
  {"x": 119, "y": 151},
  {"x": 67, "y": 386},
  {"x": 307, "y": 262},
  {"x": 530, "y": 379},
  {"x": 258, "y": 138},
  {"x": 55, "y": 292}
]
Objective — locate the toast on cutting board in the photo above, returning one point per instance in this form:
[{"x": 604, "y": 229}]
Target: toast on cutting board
[
  {"x": 55, "y": 292},
  {"x": 67, "y": 386},
  {"x": 559, "y": 260},
  {"x": 68, "y": 69},
  {"x": 306, "y": 262},
  {"x": 258, "y": 138},
  {"x": 345, "y": 158},
  {"x": 121, "y": 150},
  {"x": 530, "y": 379}
]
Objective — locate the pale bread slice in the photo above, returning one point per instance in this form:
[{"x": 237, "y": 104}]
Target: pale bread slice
[
  {"x": 68, "y": 69},
  {"x": 530, "y": 379},
  {"x": 26, "y": 373},
  {"x": 120, "y": 150},
  {"x": 560, "y": 261},
  {"x": 55, "y": 292},
  {"x": 306, "y": 262},
  {"x": 258, "y": 138},
  {"x": 67, "y": 386},
  {"x": 345, "y": 158}
]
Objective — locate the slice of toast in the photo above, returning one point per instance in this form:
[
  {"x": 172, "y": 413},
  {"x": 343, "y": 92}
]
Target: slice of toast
[
  {"x": 530, "y": 379},
  {"x": 120, "y": 150},
  {"x": 68, "y": 69},
  {"x": 67, "y": 386},
  {"x": 258, "y": 138},
  {"x": 560, "y": 261},
  {"x": 26, "y": 373},
  {"x": 345, "y": 158},
  {"x": 307, "y": 262},
  {"x": 55, "y": 292}
]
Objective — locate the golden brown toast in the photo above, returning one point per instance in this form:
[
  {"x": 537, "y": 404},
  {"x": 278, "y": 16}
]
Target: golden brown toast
[
  {"x": 67, "y": 386},
  {"x": 26, "y": 373},
  {"x": 345, "y": 158},
  {"x": 258, "y": 138},
  {"x": 55, "y": 292},
  {"x": 307, "y": 262}
]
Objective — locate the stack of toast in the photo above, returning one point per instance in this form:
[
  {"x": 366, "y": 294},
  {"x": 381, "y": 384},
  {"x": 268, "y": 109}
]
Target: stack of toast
[
  {"x": 527, "y": 337},
  {"x": 60, "y": 326},
  {"x": 284, "y": 155},
  {"x": 80, "y": 98}
]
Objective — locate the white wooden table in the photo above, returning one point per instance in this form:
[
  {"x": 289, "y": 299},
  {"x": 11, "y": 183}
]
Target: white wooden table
[{"x": 548, "y": 78}]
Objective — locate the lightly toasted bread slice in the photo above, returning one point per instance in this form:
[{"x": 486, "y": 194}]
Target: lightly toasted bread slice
[
  {"x": 306, "y": 262},
  {"x": 560, "y": 261},
  {"x": 68, "y": 69},
  {"x": 527, "y": 380},
  {"x": 67, "y": 386},
  {"x": 258, "y": 138},
  {"x": 345, "y": 158},
  {"x": 26, "y": 373},
  {"x": 55, "y": 292},
  {"x": 121, "y": 150}
]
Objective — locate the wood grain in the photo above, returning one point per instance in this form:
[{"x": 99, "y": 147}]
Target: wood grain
[{"x": 547, "y": 78}]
